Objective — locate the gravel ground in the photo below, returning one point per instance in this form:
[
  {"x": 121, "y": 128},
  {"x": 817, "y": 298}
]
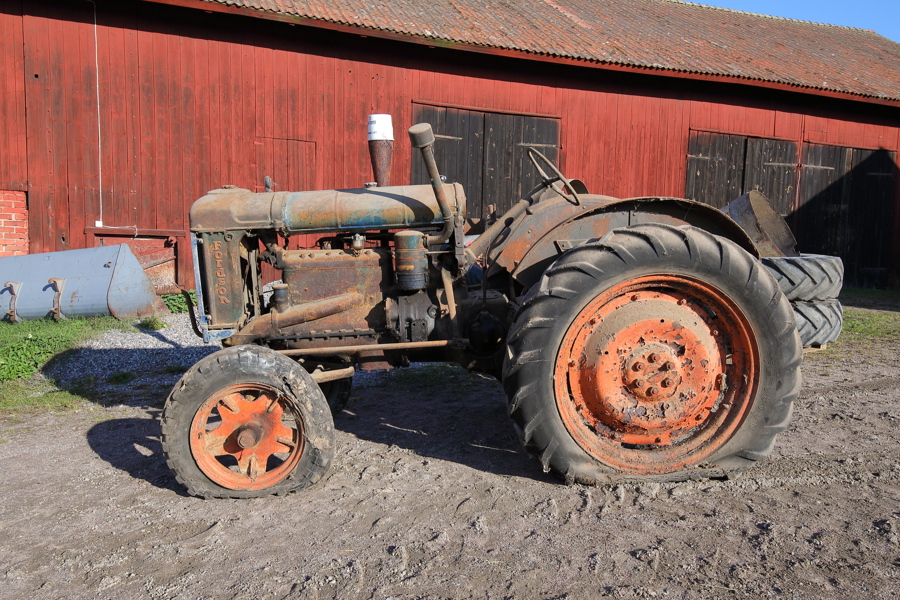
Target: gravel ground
[
  {"x": 430, "y": 496},
  {"x": 156, "y": 358}
]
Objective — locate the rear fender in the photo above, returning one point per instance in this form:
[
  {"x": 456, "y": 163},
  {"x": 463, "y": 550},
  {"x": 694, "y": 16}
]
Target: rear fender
[{"x": 557, "y": 226}]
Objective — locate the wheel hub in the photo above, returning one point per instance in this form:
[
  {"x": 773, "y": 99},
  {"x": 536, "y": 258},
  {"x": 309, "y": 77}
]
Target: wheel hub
[
  {"x": 246, "y": 437},
  {"x": 652, "y": 373},
  {"x": 642, "y": 375}
]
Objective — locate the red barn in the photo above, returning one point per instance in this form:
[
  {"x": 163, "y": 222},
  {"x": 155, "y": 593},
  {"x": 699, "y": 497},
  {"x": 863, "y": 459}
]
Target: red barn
[{"x": 116, "y": 115}]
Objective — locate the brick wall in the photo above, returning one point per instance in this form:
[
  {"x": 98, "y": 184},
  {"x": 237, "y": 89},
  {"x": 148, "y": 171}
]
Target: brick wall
[{"x": 13, "y": 224}]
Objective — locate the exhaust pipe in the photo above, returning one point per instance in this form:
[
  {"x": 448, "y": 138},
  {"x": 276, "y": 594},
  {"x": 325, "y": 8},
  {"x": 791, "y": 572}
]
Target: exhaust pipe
[{"x": 381, "y": 148}]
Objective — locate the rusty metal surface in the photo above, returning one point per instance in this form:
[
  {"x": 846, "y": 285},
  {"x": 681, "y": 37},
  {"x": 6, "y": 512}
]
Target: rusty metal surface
[
  {"x": 323, "y": 211},
  {"x": 555, "y": 225},
  {"x": 656, "y": 373},
  {"x": 367, "y": 348},
  {"x": 323, "y": 376},
  {"x": 768, "y": 230},
  {"x": 248, "y": 424},
  {"x": 273, "y": 323},
  {"x": 382, "y": 154},
  {"x": 648, "y": 34},
  {"x": 318, "y": 274}
]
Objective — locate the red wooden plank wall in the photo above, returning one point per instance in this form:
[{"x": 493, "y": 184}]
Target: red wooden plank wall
[
  {"x": 13, "y": 166},
  {"x": 189, "y": 101}
]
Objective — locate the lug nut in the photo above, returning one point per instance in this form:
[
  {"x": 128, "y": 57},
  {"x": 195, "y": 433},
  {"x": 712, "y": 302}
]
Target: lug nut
[
  {"x": 637, "y": 384},
  {"x": 669, "y": 366},
  {"x": 638, "y": 366},
  {"x": 667, "y": 382},
  {"x": 652, "y": 391},
  {"x": 653, "y": 357}
]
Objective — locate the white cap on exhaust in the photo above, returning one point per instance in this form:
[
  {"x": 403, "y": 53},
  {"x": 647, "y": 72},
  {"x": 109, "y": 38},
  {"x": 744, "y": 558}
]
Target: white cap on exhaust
[{"x": 381, "y": 128}]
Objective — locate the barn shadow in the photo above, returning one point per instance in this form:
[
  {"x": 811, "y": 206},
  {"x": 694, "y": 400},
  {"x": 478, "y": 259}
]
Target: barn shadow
[{"x": 847, "y": 208}]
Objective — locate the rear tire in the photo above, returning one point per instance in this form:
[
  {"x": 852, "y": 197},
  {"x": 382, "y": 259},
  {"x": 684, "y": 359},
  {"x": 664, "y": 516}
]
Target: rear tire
[
  {"x": 809, "y": 277},
  {"x": 818, "y": 323},
  {"x": 247, "y": 422},
  {"x": 657, "y": 352}
]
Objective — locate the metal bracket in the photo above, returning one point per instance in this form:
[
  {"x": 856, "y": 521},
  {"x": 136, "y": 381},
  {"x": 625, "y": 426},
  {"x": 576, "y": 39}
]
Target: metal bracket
[
  {"x": 14, "y": 288},
  {"x": 58, "y": 285}
]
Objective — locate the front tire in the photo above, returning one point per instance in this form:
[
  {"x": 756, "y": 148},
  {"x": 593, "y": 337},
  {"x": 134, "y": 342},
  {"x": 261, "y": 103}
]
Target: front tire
[
  {"x": 656, "y": 352},
  {"x": 247, "y": 422}
]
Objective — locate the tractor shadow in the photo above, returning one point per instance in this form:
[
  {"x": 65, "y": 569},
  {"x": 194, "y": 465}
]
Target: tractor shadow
[
  {"x": 132, "y": 445},
  {"x": 439, "y": 411}
]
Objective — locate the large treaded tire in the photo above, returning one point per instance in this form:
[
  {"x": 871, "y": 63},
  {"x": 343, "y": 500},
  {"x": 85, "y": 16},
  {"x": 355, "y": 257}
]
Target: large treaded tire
[
  {"x": 808, "y": 277},
  {"x": 818, "y": 323},
  {"x": 587, "y": 273},
  {"x": 232, "y": 377}
]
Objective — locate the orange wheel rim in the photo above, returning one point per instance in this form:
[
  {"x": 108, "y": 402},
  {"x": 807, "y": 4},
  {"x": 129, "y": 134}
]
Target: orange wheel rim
[
  {"x": 656, "y": 373},
  {"x": 247, "y": 437}
]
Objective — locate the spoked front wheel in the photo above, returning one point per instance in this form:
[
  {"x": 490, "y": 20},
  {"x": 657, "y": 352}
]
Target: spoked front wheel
[{"x": 246, "y": 422}]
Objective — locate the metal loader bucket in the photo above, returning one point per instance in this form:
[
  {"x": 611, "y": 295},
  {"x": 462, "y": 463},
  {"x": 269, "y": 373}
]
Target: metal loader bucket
[{"x": 89, "y": 282}]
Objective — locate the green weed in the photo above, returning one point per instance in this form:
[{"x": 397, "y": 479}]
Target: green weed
[
  {"x": 152, "y": 323},
  {"x": 177, "y": 303},
  {"x": 860, "y": 322}
]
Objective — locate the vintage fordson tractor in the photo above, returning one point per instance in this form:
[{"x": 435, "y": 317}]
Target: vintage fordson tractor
[{"x": 636, "y": 338}]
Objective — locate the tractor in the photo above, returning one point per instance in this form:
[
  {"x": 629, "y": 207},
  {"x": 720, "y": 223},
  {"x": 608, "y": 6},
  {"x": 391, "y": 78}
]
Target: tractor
[{"x": 635, "y": 339}]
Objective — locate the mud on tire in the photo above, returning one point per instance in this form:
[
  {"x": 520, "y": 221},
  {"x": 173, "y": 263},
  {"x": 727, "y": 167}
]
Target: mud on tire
[
  {"x": 247, "y": 422},
  {"x": 644, "y": 308}
]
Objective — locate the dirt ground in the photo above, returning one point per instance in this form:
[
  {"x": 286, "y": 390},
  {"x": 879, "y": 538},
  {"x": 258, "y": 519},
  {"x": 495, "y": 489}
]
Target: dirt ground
[{"x": 431, "y": 496}]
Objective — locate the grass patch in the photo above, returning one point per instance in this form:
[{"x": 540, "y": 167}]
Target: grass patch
[
  {"x": 176, "y": 302},
  {"x": 30, "y": 394},
  {"x": 870, "y": 323},
  {"x": 26, "y": 347},
  {"x": 173, "y": 370}
]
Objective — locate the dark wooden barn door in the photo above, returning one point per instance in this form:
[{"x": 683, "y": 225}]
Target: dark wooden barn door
[
  {"x": 487, "y": 153},
  {"x": 722, "y": 167},
  {"x": 845, "y": 208}
]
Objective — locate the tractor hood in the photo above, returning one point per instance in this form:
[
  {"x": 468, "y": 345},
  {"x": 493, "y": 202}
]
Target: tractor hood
[{"x": 289, "y": 213}]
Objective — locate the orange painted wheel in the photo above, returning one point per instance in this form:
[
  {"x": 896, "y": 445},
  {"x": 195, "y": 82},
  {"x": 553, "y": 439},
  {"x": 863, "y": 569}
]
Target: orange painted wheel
[
  {"x": 659, "y": 351},
  {"x": 656, "y": 373},
  {"x": 247, "y": 437},
  {"x": 246, "y": 422}
]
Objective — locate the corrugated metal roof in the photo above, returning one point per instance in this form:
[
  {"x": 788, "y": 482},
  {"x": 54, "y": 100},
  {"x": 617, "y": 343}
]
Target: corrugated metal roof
[{"x": 669, "y": 35}]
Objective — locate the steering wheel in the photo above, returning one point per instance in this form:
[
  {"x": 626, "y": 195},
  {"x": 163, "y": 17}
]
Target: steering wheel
[{"x": 553, "y": 182}]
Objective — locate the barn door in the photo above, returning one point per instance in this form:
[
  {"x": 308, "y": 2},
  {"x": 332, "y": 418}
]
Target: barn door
[
  {"x": 770, "y": 167},
  {"x": 487, "y": 153},
  {"x": 722, "y": 167},
  {"x": 846, "y": 208},
  {"x": 715, "y": 168}
]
